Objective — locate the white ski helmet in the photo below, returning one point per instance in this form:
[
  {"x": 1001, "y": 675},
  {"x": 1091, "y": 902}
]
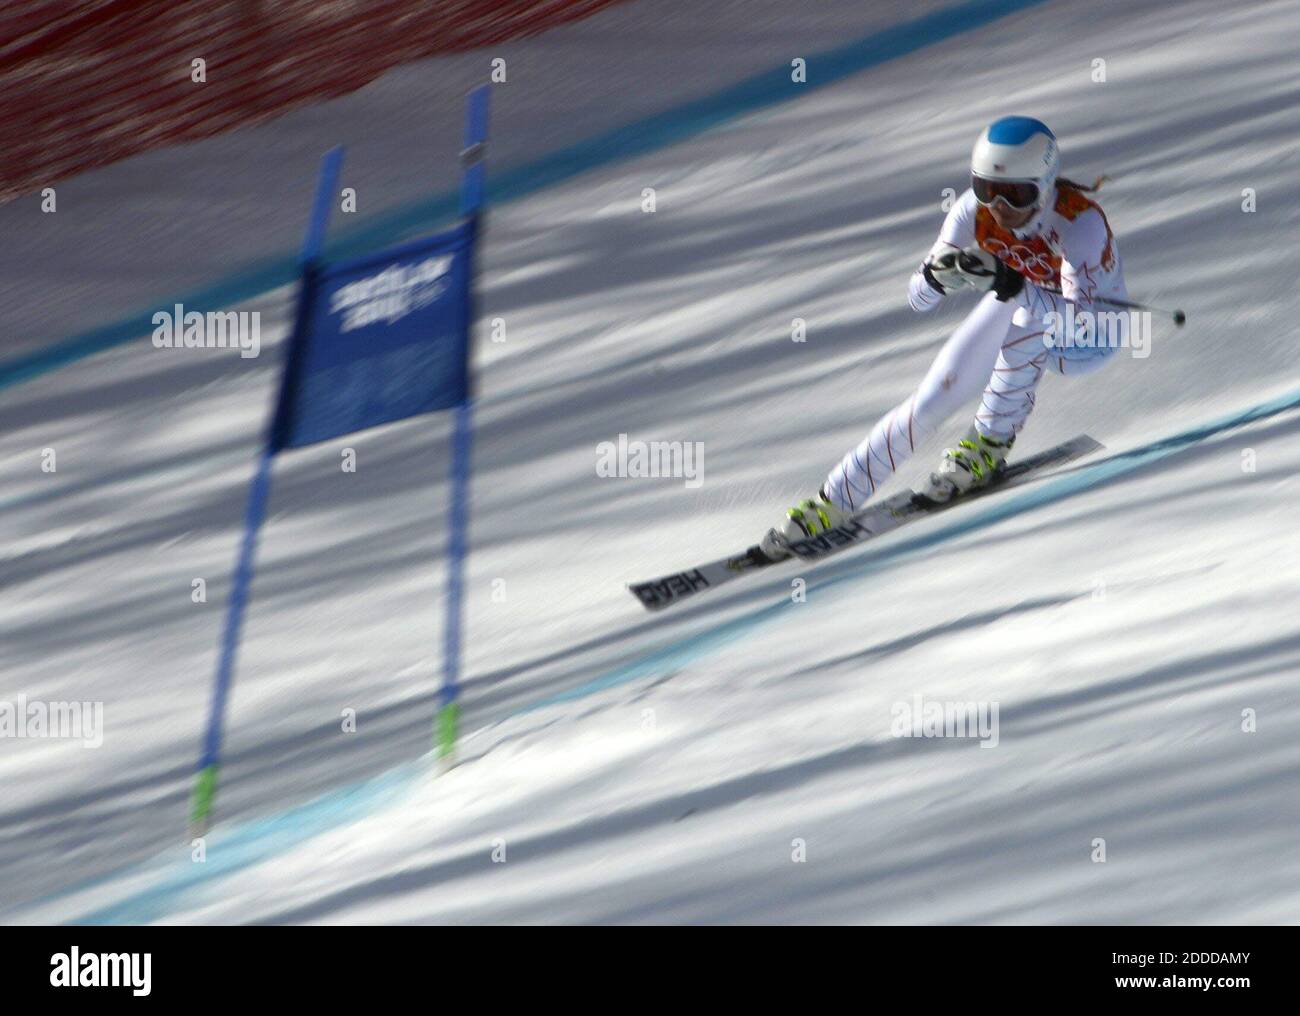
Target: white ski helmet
[{"x": 1016, "y": 158}]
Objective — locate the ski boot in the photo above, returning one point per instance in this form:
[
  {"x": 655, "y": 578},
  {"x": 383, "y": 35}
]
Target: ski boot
[
  {"x": 975, "y": 461},
  {"x": 807, "y": 518}
]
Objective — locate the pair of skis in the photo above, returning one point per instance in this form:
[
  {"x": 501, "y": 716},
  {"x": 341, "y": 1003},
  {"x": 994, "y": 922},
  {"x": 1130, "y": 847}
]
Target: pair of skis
[{"x": 871, "y": 522}]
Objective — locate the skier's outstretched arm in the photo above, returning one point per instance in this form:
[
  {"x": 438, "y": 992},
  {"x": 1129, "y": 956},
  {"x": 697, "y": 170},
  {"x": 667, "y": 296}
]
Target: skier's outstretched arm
[{"x": 930, "y": 282}]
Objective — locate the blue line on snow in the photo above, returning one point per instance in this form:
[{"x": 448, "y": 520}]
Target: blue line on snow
[
  {"x": 1047, "y": 492},
  {"x": 242, "y": 845},
  {"x": 647, "y": 135},
  {"x": 250, "y": 843},
  {"x": 257, "y": 841}
]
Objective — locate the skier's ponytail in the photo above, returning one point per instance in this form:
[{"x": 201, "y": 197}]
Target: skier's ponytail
[{"x": 1096, "y": 184}]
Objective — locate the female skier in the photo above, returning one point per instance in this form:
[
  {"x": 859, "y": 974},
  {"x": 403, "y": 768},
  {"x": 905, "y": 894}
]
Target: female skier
[{"x": 1036, "y": 245}]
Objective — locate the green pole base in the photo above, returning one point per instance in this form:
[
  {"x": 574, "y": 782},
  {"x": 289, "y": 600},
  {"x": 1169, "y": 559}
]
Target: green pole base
[
  {"x": 205, "y": 795},
  {"x": 446, "y": 725}
]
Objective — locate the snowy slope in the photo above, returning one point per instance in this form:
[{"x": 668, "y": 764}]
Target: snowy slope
[{"x": 638, "y": 768}]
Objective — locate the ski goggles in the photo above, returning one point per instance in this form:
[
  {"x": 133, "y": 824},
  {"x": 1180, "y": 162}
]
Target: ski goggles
[{"x": 1019, "y": 194}]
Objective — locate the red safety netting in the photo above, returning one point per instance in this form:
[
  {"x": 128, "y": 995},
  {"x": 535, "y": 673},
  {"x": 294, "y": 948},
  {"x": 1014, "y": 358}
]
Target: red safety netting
[{"x": 87, "y": 82}]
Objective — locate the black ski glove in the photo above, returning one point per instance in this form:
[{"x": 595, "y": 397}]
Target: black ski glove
[{"x": 987, "y": 272}]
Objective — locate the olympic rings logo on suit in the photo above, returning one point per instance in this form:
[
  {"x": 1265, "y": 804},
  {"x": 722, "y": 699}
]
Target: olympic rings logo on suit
[{"x": 1022, "y": 258}]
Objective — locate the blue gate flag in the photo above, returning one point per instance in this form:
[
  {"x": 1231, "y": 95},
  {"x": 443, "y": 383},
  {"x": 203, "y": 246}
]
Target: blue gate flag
[{"x": 378, "y": 339}]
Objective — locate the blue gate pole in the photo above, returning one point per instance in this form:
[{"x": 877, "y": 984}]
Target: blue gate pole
[
  {"x": 205, "y": 782},
  {"x": 447, "y": 722}
]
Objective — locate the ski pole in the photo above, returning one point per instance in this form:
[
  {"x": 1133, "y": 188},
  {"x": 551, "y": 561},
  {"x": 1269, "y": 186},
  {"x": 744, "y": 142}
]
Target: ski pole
[
  {"x": 1179, "y": 317},
  {"x": 972, "y": 266}
]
